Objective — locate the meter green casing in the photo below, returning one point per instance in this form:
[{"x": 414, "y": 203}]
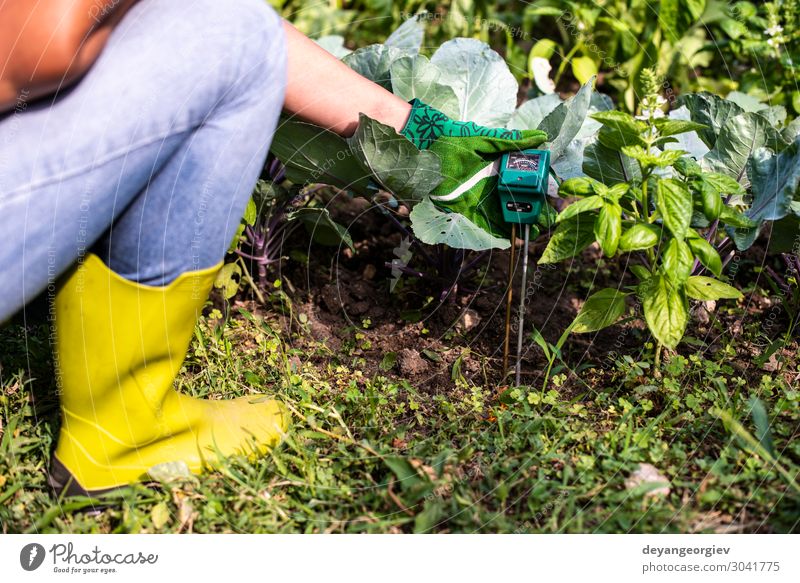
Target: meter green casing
[{"x": 522, "y": 185}]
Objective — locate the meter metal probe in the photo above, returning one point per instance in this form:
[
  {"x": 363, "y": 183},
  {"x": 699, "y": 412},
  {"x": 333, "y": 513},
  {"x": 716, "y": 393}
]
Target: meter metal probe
[{"x": 522, "y": 187}]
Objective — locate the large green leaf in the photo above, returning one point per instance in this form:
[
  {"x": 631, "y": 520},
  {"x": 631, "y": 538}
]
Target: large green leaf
[
  {"x": 775, "y": 180},
  {"x": 396, "y": 163},
  {"x": 741, "y": 135},
  {"x": 674, "y": 202},
  {"x": 570, "y": 238},
  {"x": 565, "y": 121},
  {"x": 783, "y": 236},
  {"x": 601, "y": 310},
  {"x": 408, "y": 36},
  {"x": 570, "y": 163},
  {"x": 530, "y": 114},
  {"x": 708, "y": 288},
  {"x": 710, "y": 110},
  {"x": 375, "y": 62},
  {"x": 334, "y": 44},
  {"x": 666, "y": 309},
  {"x": 609, "y": 166},
  {"x": 599, "y": 102},
  {"x": 415, "y": 76},
  {"x": 486, "y": 89},
  {"x": 313, "y": 154},
  {"x": 433, "y": 226}
]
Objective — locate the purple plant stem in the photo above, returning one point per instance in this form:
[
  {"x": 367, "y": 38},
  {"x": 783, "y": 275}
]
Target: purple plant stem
[
  {"x": 777, "y": 278},
  {"x": 792, "y": 263},
  {"x": 260, "y": 259},
  {"x": 728, "y": 259},
  {"x": 406, "y": 270},
  {"x": 274, "y": 168}
]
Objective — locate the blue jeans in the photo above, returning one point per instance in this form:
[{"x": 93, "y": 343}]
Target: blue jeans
[{"x": 150, "y": 159}]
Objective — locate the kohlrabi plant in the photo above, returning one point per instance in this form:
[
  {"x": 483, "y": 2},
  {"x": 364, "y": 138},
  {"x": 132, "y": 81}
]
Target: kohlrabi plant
[
  {"x": 752, "y": 144},
  {"x": 276, "y": 209},
  {"x": 376, "y": 157}
]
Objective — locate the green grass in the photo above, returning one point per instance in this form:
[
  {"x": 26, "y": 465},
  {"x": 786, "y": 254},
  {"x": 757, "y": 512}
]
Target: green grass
[{"x": 372, "y": 453}]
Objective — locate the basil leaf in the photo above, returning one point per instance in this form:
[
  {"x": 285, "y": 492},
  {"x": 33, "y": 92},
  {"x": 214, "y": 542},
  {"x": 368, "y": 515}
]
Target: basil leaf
[
  {"x": 638, "y": 237},
  {"x": 672, "y": 127},
  {"x": 580, "y": 206},
  {"x": 678, "y": 260},
  {"x": 607, "y": 228},
  {"x": 570, "y": 238},
  {"x": 666, "y": 309},
  {"x": 674, "y": 202},
  {"x": 706, "y": 253},
  {"x": 601, "y": 310},
  {"x": 578, "y": 186},
  {"x": 707, "y": 288}
]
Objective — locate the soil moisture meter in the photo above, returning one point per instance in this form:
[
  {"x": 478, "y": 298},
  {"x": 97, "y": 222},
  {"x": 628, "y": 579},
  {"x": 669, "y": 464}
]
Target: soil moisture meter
[{"x": 522, "y": 186}]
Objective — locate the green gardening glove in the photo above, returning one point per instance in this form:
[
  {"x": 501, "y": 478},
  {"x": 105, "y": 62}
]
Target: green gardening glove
[{"x": 470, "y": 156}]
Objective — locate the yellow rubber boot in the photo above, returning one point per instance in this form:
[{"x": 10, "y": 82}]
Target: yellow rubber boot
[{"x": 119, "y": 346}]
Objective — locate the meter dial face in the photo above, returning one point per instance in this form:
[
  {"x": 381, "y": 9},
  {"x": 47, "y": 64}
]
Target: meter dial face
[{"x": 523, "y": 162}]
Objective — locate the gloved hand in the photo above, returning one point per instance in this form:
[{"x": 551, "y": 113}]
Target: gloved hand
[{"x": 470, "y": 156}]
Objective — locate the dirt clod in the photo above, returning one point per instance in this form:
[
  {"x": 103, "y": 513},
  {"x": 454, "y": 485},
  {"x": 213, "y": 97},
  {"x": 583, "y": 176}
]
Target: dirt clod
[{"x": 411, "y": 363}]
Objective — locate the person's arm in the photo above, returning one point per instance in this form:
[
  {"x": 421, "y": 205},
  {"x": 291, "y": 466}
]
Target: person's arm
[
  {"x": 323, "y": 90},
  {"x": 48, "y": 44}
]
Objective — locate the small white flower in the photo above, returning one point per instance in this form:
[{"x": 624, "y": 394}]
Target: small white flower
[
  {"x": 772, "y": 42},
  {"x": 774, "y": 30},
  {"x": 541, "y": 75},
  {"x": 581, "y": 26},
  {"x": 648, "y": 113}
]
